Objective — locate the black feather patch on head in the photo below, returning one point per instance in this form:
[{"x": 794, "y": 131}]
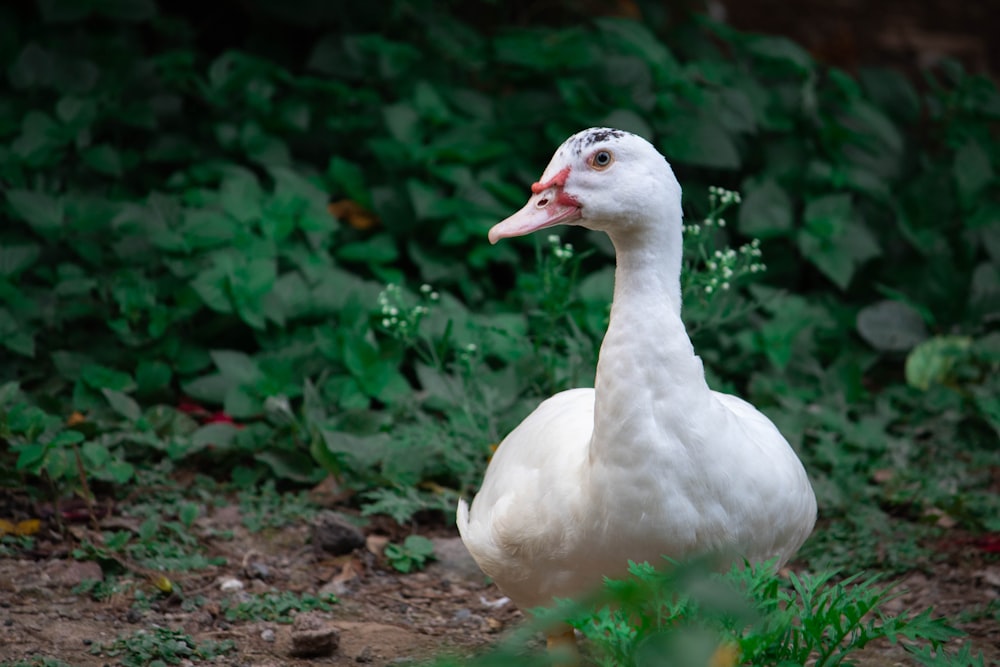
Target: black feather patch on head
[{"x": 595, "y": 136}]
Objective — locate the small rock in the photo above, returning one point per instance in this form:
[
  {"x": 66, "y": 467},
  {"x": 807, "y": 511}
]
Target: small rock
[
  {"x": 133, "y": 615},
  {"x": 312, "y": 636},
  {"x": 463, "y": 615},
  {"x": 259, "y": 571},
  {"x": 334, "y": 534},
  {"x": 267, "y": 634},
  {"x": 364, "y": 655},
  {"x": 230, "y": 585}
]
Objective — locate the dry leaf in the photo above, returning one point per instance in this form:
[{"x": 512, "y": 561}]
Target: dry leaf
[
  {"x": 353, "y": 213},
  {"x": 21, "y": 528},
  {"x": 376, "y": 544}
]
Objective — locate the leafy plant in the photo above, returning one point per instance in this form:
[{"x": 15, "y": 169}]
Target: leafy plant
[
  {"x": 279, "y": 607},
  {"x": 161, "y": 646},
  {"x": 687, "y": 614},
  {"x": 197, "y": 226},
  {"x": 412, "y": 554}
]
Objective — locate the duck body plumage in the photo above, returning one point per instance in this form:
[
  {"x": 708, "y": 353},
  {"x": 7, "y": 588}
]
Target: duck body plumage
[{"x": 651, "y": 462}]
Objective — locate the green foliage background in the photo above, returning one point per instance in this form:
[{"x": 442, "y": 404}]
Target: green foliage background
[{"x": 166, "y": 240}]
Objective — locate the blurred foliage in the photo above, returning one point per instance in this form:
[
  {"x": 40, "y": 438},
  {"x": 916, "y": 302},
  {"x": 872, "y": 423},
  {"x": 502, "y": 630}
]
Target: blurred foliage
[
  {"x": 201, "y": 211},
  {"x": 686, "y": 614}
]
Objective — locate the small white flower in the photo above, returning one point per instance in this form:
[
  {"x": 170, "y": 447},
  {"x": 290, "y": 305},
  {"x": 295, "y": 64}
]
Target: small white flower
[
  {"x": 725, "y": 285},
  {"x": 394, "y": 311},
  {"x": 471, "y": 347},
  {"x": 434, "y": 296},
  {"x": 386, "y": 322},
  {"x": 553, "y": 239},
  {"x": 708, "y": 289},
  {"x": 722, "y": 222},
  {"x": 425, "y": 288}
]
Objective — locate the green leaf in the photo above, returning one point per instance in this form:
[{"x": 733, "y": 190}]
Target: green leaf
[
  {"x": 780, "y": 49},
  {"x": 835, "y": 240},
  {"x": 380, "y": 249},
  {"x": 699, "y": 141},
  {"x": 891, "y": 326},
  {"x": 932, "y": 361},
  {"x": 428, "y": 202},
  {"x": 211, "y": 388},
  {"x": 403, "y": 123},
  {"x": 251, "y": 282},
  {"x": 217, "y": 434},
  {"x": 350, "y": 177},
  {"x": 152, "y": 376},
  {"x": 237, "y": 366},
  {"x": 16, "y": 257},
  {"x": 212, "y": 286},
  {"x": 101, "y": 377},
  {"x": 240, "y": 195},
  {"x": 66, "y": 437},
  {"x": 95, "y": 455},
  {"x": 206, "y": 228},
  {"x": 972, "y": 170},
  {"x": 123, "y": 404},
  {"x": 45, "y": 213},
  {"x": 103, "y": 158},
  {"x": 419, "y": 545},
  {"x": 31, "y": 456},
  {"x": 120, "y": 472},
  {"x": 766, "y": 210}
]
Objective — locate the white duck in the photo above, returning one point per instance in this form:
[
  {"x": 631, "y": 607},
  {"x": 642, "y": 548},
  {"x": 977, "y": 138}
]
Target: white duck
[{"x": 650, "y": 462}]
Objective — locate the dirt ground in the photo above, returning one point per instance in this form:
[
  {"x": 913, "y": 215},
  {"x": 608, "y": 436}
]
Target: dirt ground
[{"x": 383, "y": 617}]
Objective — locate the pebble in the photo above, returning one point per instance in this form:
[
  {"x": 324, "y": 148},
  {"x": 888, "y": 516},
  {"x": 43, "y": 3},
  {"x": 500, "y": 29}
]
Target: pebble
[
  {"x": 230, "y": 584},
  {"x": 259, "y": 571},
  {"x": 267, "y": 634},
  {"x": 364, "y": 655},
  {"x": 312, "y": 636},
  {"x": 332, "y": 533}
]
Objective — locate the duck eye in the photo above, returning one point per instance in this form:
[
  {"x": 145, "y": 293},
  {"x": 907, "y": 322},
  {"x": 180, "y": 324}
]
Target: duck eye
[{"x": 602, "y": 159}]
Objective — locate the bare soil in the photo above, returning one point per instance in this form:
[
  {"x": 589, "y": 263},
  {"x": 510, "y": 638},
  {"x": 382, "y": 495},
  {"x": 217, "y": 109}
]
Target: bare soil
[{"x": 383, "y": 617}]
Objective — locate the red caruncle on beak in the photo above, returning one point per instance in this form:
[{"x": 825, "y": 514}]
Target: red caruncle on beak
[{"x": 549, "y": 205}]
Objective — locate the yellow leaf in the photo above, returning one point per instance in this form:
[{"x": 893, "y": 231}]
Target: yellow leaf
[
  {"x": 7, "y": 527},
  {"x": 27, "y": 527},
  {"x": 164, "y": 584}
]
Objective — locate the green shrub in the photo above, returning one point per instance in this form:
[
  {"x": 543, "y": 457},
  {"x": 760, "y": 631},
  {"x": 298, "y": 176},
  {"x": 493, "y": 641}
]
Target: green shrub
[{"x": 196, "y": 231}]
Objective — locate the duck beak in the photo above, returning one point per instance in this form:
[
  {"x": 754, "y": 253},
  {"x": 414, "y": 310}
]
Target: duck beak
[
  {"x": 541, "y": 211},
  {"x": 549, "y": 205}
]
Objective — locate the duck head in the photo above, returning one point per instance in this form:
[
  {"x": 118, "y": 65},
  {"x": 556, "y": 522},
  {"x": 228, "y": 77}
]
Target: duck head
[{"x": 602, "y": 179}]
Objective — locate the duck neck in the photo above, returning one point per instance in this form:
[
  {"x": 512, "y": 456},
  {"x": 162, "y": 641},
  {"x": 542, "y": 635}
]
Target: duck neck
[{"x": 647, "y": 372}]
